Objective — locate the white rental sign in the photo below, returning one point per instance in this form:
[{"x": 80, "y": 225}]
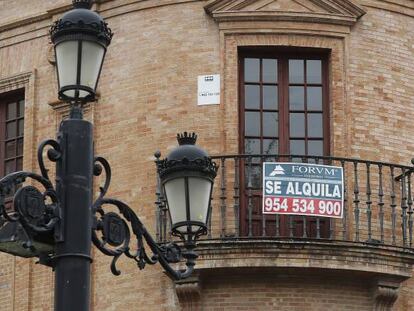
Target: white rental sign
[
  {"x": 303, "y": 189},
  {"x": 209, "y": 90}
]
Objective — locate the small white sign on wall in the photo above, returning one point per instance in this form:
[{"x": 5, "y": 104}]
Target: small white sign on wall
[{"x": 209, "y": 90}]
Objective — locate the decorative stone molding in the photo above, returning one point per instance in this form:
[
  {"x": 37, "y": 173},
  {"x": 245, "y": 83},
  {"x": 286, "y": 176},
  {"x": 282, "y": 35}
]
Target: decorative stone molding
[
  {"x": 34, "y": 18},
  {"x": 117, "y": 6},
  {"x": 385, "y": 294},
  {"x": 15, "y": 82},
  {"x": 405, "y": 7},
  {"x": 189, "y": 293},
  {"x": 51, "y": 58},
  {"x": 62, "y": 110},
  {"x": 26, "y": 81},
  {"x": 280, "y": 36},
  {"x": 338, "y": 12}
]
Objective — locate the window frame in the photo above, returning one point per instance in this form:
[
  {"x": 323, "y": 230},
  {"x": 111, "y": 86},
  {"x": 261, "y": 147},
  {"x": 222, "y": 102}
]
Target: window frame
[
  {"x": 5, "y": 99},
  {"x": 283, "y": 54}
]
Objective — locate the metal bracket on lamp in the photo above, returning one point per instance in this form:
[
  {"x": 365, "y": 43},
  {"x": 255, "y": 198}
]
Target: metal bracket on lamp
[
  {"x": 115, "y": 234},
  {"x": 33, "y": 222}
]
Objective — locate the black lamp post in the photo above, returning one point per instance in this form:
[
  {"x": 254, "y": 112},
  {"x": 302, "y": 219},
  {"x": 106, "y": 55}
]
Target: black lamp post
[{"x": 57, "y": 225}]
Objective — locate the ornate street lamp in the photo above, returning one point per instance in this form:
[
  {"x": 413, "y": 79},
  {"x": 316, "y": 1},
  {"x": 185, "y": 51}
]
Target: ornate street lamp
[
  {"x": 188, "y": 170},
  {"x": 80, "y": 38},
  {"x": 58, "y": 224}
]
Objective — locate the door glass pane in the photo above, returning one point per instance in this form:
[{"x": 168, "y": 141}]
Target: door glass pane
[
  {"x": 270, "y": 124},
  {"x": 270, "y": 146},
  {"x": 269, "y": 70},
  {"x": 296, "y": 98},
  {"x": 11, "y": 129},
  {"x": 315, "y": 147},
  {"x": 296, "y": 71},
  {"x": 297, "y": 125},
  {"x": 252, "y": 123},
  {"x": 251, "y": 69},
  {"x": 270, "y": 97},
  {"x": 297, "y": 147},
  {"x": 252, "y": 96},
  {"x": 314, "y": 98},
  {"x": 314, "y": 71},
  {"x": 11, "y": 111},
  {"x": 252, "y": 146},
  {"x": 315, "y": 125},
  {"x": 297, "y": 108},
  {"x": 254, "y": 174}
]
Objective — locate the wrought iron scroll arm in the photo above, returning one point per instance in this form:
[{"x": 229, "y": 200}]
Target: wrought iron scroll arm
[
  {"x": 116, "y": 236},
  {"x": 53, "y": 154},
  {"x": 100, "y": 163},
  {"x": 37, "y": 211}
]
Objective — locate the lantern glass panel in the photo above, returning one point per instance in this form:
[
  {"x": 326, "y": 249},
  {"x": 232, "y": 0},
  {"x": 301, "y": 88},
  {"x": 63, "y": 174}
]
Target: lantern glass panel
[
  {"x": 199, "y": 190},
  {"x": 67, "y": 60},
  {"x": 92, "y": 58},
  {"x": 175, "y": 193}
]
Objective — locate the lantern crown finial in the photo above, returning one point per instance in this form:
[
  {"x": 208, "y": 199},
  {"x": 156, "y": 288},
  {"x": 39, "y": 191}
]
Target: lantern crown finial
[
  {"x": 82, "y": 4},
  {"x": 187, "y": 138},
  {"x": 187, "y": 156}
]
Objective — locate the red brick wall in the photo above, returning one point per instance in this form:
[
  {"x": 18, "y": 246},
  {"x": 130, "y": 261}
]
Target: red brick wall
[{"x": 284, "y": 291}]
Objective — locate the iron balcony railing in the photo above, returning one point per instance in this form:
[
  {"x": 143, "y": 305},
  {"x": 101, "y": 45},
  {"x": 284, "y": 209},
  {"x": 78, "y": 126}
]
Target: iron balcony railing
[{"x": 378, "y": 203}]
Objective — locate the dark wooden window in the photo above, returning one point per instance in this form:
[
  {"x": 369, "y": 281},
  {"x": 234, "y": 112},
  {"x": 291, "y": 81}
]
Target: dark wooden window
[
  {"x": 284, "y": 111},
  {"x": 11, "y": 132}
]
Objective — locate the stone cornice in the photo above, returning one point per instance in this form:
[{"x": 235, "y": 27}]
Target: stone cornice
[
  {"x": 15, "y": 82},
  {"x": 381, "y": 260},
  {"x": 354, "y": 11},
  {"x": 18, "y": 30},
  {"x": 285, "y": 16},
  {"x": 119, "y": 8},
  {"x": 339, "y": 12},
  {"x": 34, "y": 18},
  {"x": 346, "y": 7},
  {"x": 404, "y": 7},
  {"x": 349, "y": 12}
]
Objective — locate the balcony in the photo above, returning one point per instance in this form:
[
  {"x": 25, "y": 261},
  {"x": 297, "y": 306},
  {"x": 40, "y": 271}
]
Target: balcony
[{"x": 374, "y": 238}]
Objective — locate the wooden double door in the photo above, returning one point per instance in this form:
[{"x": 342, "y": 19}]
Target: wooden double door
[{"x": 283, "y": 116}]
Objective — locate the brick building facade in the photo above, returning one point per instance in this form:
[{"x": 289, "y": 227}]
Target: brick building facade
[{"x": 148, "y": 93}]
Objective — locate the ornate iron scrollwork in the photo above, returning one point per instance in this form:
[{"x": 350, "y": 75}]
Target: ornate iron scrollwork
[
  {"x": 36, "y": 211},
  {"x": 112, "y": 233},
  {"x": 114, "y": 229},
  {"x": 29, "y": 202}
]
